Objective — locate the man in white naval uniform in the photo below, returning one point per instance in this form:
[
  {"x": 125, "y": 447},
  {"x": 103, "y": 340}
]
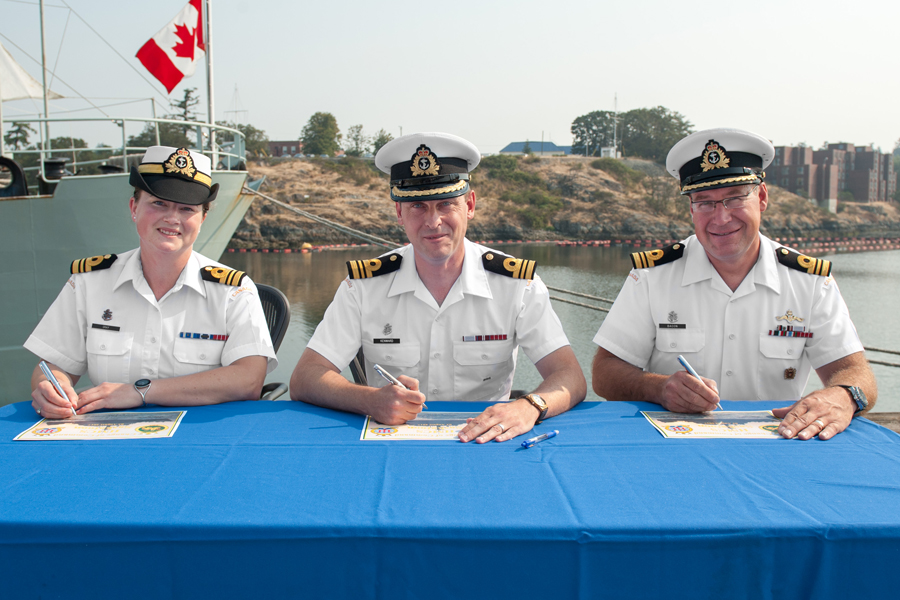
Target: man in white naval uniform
[
  {"x": 444, "y": 315},
  {"x": 749, "y": 315}
]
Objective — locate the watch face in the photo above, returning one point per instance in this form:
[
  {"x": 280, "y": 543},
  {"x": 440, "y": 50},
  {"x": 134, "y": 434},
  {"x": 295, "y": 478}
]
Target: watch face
[{"x": 142, "y": 383}]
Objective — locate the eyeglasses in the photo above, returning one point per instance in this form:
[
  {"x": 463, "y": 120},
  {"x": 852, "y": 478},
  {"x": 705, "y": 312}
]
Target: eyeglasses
[{"x": 708, "y": 206}]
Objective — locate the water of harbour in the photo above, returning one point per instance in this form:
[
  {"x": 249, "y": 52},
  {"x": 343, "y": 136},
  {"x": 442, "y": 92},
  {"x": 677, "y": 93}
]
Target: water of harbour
[{"x": 869, "y": 281}]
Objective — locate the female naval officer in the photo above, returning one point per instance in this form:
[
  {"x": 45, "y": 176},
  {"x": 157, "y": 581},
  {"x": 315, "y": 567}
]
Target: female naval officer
[{"x": 159, "y": 324}]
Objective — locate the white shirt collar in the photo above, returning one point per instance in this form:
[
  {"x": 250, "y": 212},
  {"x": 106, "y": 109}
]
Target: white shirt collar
[
  {"x": 472, "y": 280},
  {"x": 764, "y": 272},
  {"x": 133, "y": 272}
]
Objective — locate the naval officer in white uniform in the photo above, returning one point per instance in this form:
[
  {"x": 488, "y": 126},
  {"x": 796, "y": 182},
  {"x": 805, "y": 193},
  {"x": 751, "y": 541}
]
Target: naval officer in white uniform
[
  {"x": 752, "y": 317},
  {"x": 159, "y": 324},
  {"x": 445, "y": 315}
]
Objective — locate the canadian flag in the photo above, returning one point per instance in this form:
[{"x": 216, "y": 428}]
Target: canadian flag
[{"x": 172, "y": 54}]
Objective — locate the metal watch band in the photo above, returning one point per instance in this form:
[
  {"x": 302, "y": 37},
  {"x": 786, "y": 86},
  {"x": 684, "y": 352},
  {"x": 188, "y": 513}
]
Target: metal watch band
[
  {"x": 858, "y": 397},
  {"x": 541, "y": 405},
  {"x": 142, "y": 390}
]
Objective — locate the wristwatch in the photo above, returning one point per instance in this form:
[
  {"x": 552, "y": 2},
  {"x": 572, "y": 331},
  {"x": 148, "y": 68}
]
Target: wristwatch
[
  {"x": 141, "y": 386},
  {"x": 858, "y": 396},
  {"x": 537, "y": 402}
]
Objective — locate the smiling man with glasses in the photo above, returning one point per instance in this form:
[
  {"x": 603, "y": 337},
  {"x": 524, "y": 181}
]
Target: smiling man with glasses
[{"x": 752, "y": 317}]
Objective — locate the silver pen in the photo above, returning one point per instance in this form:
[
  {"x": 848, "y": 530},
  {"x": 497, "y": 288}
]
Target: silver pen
[
  {"x": 52, "y": 379},
  {"x": 390, "y": 378},
  {"x": 687, "y": 367}
]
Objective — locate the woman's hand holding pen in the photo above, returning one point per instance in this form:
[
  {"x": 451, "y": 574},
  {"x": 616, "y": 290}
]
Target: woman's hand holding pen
[
  {"x": 684, "y": 393},
  {"x": 47, "y": 401}
]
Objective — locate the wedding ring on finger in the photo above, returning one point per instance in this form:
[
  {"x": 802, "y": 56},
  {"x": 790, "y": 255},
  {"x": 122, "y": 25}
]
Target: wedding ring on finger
[
  {"x": 502, "y": 428},
  {"x": 820, "y": 422},
  {"x": 38, "y": 410}
]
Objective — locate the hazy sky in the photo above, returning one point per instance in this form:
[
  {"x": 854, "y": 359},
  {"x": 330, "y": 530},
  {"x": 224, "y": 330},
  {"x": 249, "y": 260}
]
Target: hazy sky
[{"x": 495, "y": 72}]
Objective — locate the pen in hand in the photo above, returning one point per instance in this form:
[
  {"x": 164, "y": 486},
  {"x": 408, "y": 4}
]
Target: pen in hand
[
  {"x": 52, "y": 379},
  {"x": 388, "y": 377},
  {"x": 687, "y": 367}
]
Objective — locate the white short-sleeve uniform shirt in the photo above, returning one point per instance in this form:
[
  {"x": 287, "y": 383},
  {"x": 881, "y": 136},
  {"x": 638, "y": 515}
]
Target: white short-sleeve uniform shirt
[
  {"x": 464, "y": 349},
  {"x": 109, "y": 324},
  {"x": 684, "y": 307}
]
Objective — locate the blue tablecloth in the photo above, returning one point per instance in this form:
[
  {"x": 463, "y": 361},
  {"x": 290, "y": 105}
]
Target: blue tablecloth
[{"x": 274, "y": 499}]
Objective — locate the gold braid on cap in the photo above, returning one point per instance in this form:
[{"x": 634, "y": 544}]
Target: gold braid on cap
[
  {"x": 688, "y": 188},
  {"x": 444, "y": 190}
]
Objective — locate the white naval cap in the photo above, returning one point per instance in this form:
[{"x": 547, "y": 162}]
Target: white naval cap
[
  {"x": 175, "y": 174},
  {"x": 428, "y": 166},
  {"x": 716, "y": 158}
]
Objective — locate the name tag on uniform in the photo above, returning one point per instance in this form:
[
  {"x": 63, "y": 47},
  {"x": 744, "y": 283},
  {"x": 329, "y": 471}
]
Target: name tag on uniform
[
  {"x": 106, "y": 327},
  {"x": 386, "y": 340},
  {"x": 672, "y": 326}
]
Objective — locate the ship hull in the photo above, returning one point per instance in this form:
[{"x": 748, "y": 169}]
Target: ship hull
[{"x": 87, "y": 215}]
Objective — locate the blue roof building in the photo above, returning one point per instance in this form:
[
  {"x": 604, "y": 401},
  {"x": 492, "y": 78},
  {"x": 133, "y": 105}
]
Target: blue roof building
[{"x": 549, "y": 148}]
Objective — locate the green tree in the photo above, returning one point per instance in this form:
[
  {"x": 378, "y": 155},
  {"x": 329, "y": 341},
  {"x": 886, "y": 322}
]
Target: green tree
[
  {"x": 526, "y": 149},
  {"x": 593, "y": 131},
  {"x": 17, "y": 136},
  {"x": 321, "y": 135},
  {"x": 357, "y": 141},
  {"x": 170, "y": 134},
  {"x": 380, "y": 138},
  {"x": 255, "y": 140},
  {"x": 185, "y": 108},
  {"x": 651, "y": 132}
]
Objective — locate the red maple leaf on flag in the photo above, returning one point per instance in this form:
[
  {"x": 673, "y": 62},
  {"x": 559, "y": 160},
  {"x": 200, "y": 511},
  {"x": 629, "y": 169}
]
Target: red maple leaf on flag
[{"x": 185, "y": 47}]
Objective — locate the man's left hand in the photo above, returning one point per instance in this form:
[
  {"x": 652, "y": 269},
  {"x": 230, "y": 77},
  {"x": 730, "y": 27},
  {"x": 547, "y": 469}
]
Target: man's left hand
[
  {"x": 825, "y": 413},
  {"x": 501, "y": 422}
]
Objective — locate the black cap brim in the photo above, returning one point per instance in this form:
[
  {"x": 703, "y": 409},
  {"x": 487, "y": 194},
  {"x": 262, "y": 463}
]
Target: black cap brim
[{"x": 173, "y": 189}]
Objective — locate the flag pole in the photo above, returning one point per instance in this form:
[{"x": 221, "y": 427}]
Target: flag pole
[
  {"x": 210, "y": 99},
  {"x": 46, "y": 129}
]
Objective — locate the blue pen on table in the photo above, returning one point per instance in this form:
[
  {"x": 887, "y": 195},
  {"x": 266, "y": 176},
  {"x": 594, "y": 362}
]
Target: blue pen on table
[
  {"x": 687, "y": 367},
  {"x": 536, "y": 440},
  {"x": 52, "y": 379},
  {"x": 388, "y": 377}
]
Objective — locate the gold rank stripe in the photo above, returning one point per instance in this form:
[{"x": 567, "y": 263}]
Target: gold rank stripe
[
  {"x": 233, "y": 277},
  {"x": 528, "y": 269},
  {"x": 646, "y": 259},
  {"x": 361, "y": 270},
  {"x": 815, "y": 266},
  {"x": 157, "y": 169}
]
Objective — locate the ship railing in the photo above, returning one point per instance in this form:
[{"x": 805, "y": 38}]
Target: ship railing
[{"x": 227, "y": 155}]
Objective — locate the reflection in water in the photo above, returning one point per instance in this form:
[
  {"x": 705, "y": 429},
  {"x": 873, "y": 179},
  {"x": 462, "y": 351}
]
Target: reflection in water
[{"x": 868, "y": 280}]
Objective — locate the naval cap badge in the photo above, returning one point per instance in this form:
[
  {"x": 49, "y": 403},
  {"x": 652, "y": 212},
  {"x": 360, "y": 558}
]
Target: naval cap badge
[
  {"x": 180, "y": 162},
  {"x": 424, "y": 162},
  {"x": 714, "y": 157}
]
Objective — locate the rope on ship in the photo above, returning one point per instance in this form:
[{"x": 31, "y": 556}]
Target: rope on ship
[{"x": 372, "y": 239}]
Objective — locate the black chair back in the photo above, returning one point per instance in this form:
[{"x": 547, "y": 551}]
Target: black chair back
[
  {"x": 358, "y": 368},
  {"x": 278, "y": 312}
]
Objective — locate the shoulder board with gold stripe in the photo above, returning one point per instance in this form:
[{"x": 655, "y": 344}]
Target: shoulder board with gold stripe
[
  {"x": 222, "y": 275},
  {"x": 94, "y": 263},
  {"x": 801, "y": 262},
  {"x": 373, "y": 267},
  {"x": 659, "y": 256},
  {"x": 517, "y": 268}
]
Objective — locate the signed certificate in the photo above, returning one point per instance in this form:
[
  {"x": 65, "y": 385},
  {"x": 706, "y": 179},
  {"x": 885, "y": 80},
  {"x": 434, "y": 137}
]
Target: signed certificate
[
  {"x": 106, "y": 426},
  {"x": 427, "y": 426},
  {"x": 754, "y": 424}
]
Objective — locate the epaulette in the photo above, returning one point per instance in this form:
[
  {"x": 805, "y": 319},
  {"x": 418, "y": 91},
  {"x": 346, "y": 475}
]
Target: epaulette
[
  {"x": 659, "y": 256},
  {"x": 94, "y": 263},
  {"x": 222, "y": 275},
  {"x": 517, "y": 268},
  {"x": 801, "y": 262},
  {"x": 373, "y": 267}
]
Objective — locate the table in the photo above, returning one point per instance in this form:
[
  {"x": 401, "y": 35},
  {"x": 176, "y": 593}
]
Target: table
[{"x": 277, "y": 499}]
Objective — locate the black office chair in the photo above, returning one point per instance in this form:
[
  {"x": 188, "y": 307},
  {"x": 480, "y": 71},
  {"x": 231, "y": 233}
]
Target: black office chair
[
  {"x": 277, "y": 309},
  {"x": 358, "y": 368}
]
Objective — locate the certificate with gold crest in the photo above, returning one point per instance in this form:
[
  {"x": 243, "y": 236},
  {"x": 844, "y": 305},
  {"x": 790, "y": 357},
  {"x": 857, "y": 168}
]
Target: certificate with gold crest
[
  {"x": 426, "y": 426},
  {"x": 750, "y": 424},
  {"x": 106, "y": 426}
]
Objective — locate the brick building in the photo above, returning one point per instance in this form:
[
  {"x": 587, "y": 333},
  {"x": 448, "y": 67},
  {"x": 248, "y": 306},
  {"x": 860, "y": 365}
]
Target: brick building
[
  {"x": 288, "y": 148},
  {"x": 821, "y": 175}
]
